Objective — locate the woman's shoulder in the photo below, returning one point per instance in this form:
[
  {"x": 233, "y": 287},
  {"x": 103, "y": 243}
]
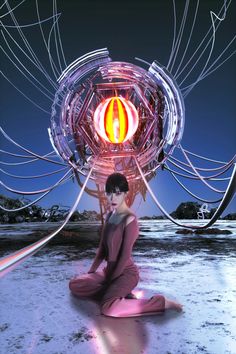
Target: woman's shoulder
[
  {"x": 130, "y": 217},
  {"x": 124, "y": 219}
]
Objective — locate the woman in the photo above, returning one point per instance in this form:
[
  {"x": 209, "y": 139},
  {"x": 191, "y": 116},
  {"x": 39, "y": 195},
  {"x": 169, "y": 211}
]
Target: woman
[{"x": 115, "y": 283}]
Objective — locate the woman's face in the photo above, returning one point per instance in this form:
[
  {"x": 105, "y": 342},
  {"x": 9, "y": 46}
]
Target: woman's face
[{"x": 116, "y": 199}]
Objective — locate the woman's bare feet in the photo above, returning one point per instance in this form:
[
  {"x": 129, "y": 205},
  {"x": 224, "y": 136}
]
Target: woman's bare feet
[{"x": 169, "y": 304}]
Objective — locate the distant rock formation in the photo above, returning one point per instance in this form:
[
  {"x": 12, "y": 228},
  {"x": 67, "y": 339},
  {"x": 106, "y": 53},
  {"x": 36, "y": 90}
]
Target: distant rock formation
[
  {"x": 212, "y": 231},
  {"x": 190, "y": 210},
  {"x": 29, "y": 214},
  {"x": 186, "y": 210},
  {"x": 231, "y": 216},
  {"x": 35, "y": 213},
  {"x": 154, "y": 217}
]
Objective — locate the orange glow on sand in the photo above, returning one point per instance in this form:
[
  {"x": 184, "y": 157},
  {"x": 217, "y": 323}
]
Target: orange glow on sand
[{"x": 116, "y": 120}]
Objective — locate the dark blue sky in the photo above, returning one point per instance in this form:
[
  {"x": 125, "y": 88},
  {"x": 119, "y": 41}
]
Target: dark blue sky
[{"x": 129, "y": 29}]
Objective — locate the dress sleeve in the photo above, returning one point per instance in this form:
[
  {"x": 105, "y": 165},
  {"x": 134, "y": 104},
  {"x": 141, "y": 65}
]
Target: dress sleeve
[{"x": 130, "y": 235}]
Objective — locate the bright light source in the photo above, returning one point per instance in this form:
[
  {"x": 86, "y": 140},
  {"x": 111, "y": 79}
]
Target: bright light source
[{"x": 116, "y": 120}]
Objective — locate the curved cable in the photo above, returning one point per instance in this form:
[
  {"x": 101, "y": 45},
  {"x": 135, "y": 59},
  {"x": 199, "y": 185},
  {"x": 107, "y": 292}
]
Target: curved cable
[
  {"x": 5, "y": 4},
  {"x": 52, "y": 30},
  {"x": 11, "y": 10},
  {"x": 28, "y": 72},
  {"x": 23, "y": 94},
  {"x": 229, "y": 194},
  {"x": 192, "y": 194},
  {"x": 31, "y": 192},
  {"x": 11, "y": 261},
  {"x": 205, "y": 169},
  {"x": 31, "y": 24},
  {"x": 174, "y": 36},
  {"x": 143, "y": 61},
  {"x": 189, "y": 39},
  {"x": 180, "y": 34},
  {"x": 218, "y": 66},
  {"x": 184, "y": 169},
  {"x": 61, "y": 181},
  {"x": 209, "y": 71},
  {"x": 53, "y": 65},
  {"x": 198, "y": 174},
  {"x": 33, "y": 177},
  {"x": 200, "y": 76},
  {"x": 204, "y": 158},
  {"x": 210, "y": 177},
  {"x": 55, "y": 37},
  {"x": 195, "y": 178},
  {"x": 59, "y": 37},
  {"x": 52, "y": 154},
  {"x": 28, "y": 151},
  {"x": 28, "y": 57},
  {"x": 15, "y": 155},
  {"x": 34, "y": 56},
  {"x": 201, "y": 43},
  {"x": 19, "y": 163}
]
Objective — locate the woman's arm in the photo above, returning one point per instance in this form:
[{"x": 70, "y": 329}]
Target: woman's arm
[
  {"x": 131, "y": 233},
  {"x": 100, "y": 254},
  {"x": 96, "y": 263}
]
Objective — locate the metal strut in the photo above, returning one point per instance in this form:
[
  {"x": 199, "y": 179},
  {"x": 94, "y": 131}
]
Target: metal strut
[
  {"x": 9, "y": 262},
  {"x": 229, "y": 193}
]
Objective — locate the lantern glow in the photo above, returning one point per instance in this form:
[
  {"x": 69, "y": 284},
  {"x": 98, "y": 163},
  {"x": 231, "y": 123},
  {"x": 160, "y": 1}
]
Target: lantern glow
[{"x": 116, "y": 120}]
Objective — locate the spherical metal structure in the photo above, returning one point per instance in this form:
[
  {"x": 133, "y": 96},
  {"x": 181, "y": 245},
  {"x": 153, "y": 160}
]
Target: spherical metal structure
[
  {"x": 115, "y": 111},
  {"x": 114, "y": 116}
]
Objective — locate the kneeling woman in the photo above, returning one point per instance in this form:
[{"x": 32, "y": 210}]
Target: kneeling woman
[{"x": 114, "y": 284}]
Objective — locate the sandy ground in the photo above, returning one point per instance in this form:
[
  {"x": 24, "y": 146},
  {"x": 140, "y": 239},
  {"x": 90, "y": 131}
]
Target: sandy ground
[{"x": 39, "y": 315}]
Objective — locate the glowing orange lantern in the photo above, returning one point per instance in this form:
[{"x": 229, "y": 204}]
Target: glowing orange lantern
[{"x": 116, "y": 120}]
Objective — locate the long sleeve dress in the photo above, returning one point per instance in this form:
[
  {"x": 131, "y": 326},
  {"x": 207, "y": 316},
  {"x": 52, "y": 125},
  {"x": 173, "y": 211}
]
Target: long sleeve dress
[{"x": 119, "y": 277}]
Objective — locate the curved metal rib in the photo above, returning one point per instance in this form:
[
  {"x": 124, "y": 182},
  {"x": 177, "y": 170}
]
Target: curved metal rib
[
  {"x": 229, "y": 194},
  {"x": 192, "y": 194},
  {"x": 61, "y": 180},
  {"x": 28, "y": 151},
  {"x": 9, "y": 262}
]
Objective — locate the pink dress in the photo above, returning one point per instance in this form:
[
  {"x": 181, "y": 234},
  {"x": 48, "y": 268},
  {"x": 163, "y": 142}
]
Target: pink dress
[{"x": 119, "y": 277}]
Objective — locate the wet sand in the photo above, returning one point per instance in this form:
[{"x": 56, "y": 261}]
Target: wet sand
[{"x": 39, "y": 315}]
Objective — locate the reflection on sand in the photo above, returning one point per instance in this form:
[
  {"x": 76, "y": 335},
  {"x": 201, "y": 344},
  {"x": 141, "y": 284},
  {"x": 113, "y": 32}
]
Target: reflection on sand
[
  {"x": 39, "y": 315},
  {"x": 112, "y": 335}
]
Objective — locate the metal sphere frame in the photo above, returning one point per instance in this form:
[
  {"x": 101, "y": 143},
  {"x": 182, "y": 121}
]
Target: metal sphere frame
[
  {"x": 95, "y": 77},
  {"x": 74, "y": 92}
]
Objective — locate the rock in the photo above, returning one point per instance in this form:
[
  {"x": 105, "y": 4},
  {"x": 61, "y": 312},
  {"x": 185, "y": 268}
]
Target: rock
[
  {"x": 212, "y": 231},
  {"x": 184, "y": 231},
  {"x": 19, "y": 218},
  {"x": 35, "y": 213},
  {"x": 231, "y": 216},
  {"x": 186, "y": 210}
]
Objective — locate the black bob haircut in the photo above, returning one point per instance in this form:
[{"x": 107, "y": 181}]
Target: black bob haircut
[{"x": 116, "y": 182}]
